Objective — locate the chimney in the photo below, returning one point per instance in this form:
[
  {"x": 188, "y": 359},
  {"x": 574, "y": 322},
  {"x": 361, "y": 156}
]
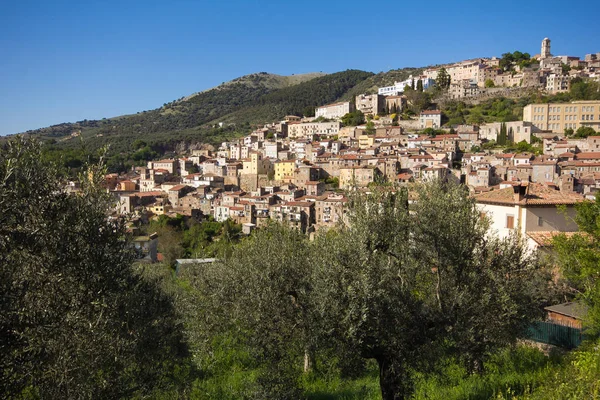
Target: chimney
[{"x": 519, "y": 192}]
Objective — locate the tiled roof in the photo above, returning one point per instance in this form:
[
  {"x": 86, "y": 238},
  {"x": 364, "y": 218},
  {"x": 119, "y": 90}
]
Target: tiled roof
[
  {"x": 536, "y": 194},
  {"x": 544, "y": 238},
  {"x": 589, "y": 155}
]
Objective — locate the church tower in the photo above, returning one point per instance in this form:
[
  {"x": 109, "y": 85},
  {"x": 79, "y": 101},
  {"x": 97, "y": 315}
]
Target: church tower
[{"x": 545, "y": 49}]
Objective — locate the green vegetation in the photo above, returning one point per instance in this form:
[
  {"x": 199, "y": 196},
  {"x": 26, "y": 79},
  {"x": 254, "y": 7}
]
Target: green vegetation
[
  {"x": 252, "y": 99},
  {"x": 353, "y": 118},
  {"x": 491, "y": 110},
  {"x": 503, "y": 135},
  {"x": 400, "y": 288},
  {"x": 509, "y": 60},
  {"x": 77, "y": 320},
  {"x": 443, "y": 79},
  {"x": 418, "y": 101},
  {"x": 180, "y": 238},
  {"x": 582, "y": 132}
]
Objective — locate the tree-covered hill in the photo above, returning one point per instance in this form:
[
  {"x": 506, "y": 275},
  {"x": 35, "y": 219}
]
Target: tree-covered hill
[
  {"x": 300, "y": 99},
  {"x": 255, "y": 98}
]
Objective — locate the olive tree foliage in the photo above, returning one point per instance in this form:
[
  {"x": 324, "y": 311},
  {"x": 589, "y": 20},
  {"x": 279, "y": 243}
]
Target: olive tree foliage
[
  {"x": 260, "y": 294},
  {"x": 405, "y": 285},
  {"x": 579, "y": 258},
  {"x": 76, "y": 320}
]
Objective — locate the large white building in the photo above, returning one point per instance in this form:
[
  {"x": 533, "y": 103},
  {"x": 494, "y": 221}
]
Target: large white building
[
  {"x": 398, "y": 87},
  {"x": 335, "y": 110}
]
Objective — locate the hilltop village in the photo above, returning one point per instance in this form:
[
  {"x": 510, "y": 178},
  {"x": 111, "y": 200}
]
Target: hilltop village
[{"x": 300, "y": 169}]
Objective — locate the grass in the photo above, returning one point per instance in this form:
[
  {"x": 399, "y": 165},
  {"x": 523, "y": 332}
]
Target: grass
[{"x": 333, "y": 387}]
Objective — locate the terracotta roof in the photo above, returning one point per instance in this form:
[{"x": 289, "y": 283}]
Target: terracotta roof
[
  {"x": 536, "y": 194},
  {"x": 431, "y": 112},
  {"x": 544, "y": 238},
  {"x": 590, "y": 155}
]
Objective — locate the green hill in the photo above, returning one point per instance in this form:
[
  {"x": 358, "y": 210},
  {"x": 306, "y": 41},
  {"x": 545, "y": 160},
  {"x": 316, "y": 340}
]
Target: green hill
[{"x": 252, "y": 99}]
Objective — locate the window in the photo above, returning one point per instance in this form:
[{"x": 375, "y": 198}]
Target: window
[
  {"x": 510, "y": 221},
  {"x": 540, "y": 221}
]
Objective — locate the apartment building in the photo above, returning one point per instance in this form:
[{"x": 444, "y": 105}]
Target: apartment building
[
  {"x": 370, "y": 104},
  {"x": 310, "y": 129},
  {"x": 470, "y": 70},
  {"x": 557, "y": 83},
  {"x": 284, "y": 170},
  {"x": 557, "y": 117},
  {"x": 398, "y": 87},
  {"x": 333, "y": 111}
]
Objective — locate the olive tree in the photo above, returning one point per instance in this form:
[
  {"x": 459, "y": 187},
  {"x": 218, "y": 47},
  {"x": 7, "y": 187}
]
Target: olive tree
[
  {"x": 261, "y": 296},
  {"x": 409, "y": 281},
  {"x": 76, "y": 319}
]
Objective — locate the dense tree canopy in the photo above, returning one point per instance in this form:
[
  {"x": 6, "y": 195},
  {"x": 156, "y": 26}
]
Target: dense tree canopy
[
  {"x": 401, "y": 285},
  {"x": 76, "y": 320}
]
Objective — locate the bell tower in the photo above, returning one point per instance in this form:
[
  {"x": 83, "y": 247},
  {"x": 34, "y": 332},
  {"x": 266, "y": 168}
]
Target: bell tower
[{"x": 545, "y": 49}]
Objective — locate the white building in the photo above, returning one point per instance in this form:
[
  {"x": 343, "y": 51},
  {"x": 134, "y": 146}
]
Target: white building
[
  {"x": 398, "y": 87},
  {"x": 530, "y": 209},
  {"x": 334, "y": 111}
]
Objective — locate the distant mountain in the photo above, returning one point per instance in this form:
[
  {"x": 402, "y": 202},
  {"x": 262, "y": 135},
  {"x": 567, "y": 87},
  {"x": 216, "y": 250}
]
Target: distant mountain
[
  {"x": 184, "y": 113},
  {"x": 239, "y": 104}
]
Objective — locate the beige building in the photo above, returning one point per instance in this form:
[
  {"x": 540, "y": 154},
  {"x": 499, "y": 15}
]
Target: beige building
[
  {"x": 330, "y": 210},
  {"x": 430, "y": 119},
  {"x": 372, "y": 104},
  {"x": 310, "y": 129},
  {"x": 462, "y": 89},
  {"x": 471, "y": 70},
  {"x": 357, "y": 176},
  {"x": 517, "y": 131},
  {"x": 168, "y": 165},
  {"x": 334, "y": 111},
  {"x": 256, "y": 164},
  {"x": 395, "y": 104},
  {"x": 557, "y": 117},
  {"x": 557, "y": 83}
]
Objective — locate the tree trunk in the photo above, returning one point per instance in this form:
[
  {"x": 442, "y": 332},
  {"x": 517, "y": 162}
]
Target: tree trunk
[
  {"x": 393, "y": 380},
  {"x": 309, "y": 359}
]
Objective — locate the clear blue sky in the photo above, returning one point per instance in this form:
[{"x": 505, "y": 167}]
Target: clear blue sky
[{"x": 64, "y": 61}]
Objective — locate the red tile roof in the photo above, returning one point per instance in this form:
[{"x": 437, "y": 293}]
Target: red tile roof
[{"x": 536, "y": 194}]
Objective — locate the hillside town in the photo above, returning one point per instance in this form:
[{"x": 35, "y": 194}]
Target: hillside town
[{"x": 299, "y": 170}]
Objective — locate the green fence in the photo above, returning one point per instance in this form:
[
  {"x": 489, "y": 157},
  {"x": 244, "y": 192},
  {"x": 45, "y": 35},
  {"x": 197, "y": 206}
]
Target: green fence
[{"x": 557, "y": 335}]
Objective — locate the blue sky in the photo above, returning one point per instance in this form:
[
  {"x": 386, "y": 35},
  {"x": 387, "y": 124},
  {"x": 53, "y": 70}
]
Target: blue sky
[{"x": 64, "y": 61}]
